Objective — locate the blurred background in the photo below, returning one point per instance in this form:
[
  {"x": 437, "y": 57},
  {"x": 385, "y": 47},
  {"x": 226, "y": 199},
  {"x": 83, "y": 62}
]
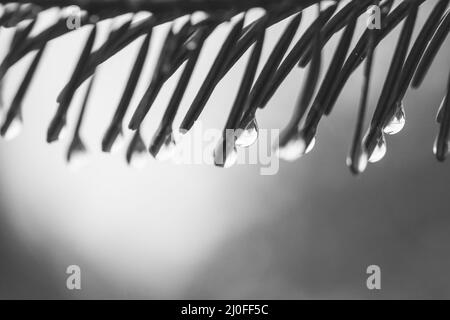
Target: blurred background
[{"x": 195, "y": 231}]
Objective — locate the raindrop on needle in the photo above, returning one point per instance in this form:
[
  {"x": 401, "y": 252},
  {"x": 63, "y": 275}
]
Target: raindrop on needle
[
  {"x": 14, "y": 129},
  {"x": 118, "y": 144},
  {"x": 397, "y": 122},
  {"x": 380, "y": 151},
  {"x": 168, "y": 149},
  {"x": 249, "y": 135},
  {"x": 295, "y": 148},
  {"x": 361, "y": 165}
]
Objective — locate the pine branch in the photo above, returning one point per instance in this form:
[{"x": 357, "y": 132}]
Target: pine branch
[{"x": 183, "y": 47}]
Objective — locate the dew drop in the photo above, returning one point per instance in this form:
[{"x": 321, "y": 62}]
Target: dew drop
[
  {"x": 435, "y": 149},
  {"x": 295, "y": 148},
  {"x": 168, "y": 149},
  {"x": 79, "y": 160},
  {"x": 440, "y": 113},
  {"x": 311, "y": 145},
  {"x": 361, "y": 166},
  {"x": 14, "y": 129},
  {"x": 63, "y": 133},
  {"x": 139, "y": 159},
  {"x": 118, "y": 144},
  {"x": 397, "y": 122},
  {"x": 77, "y": 157},
  {"x": 249, "y": 135},
  {"x": 379, "y": 152},
  {"x": 229, "y": 161},
  {"x": 137, "y": 154}
]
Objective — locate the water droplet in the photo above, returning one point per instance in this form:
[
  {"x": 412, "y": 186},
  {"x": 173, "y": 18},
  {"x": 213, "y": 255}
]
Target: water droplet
[
  {"x": 397, "y": 122},
  {"x": 248, "y": 136},
  {"x": 139, "y": 159},
  {"x": 440, "y": 113},
  {"x": 229, "y": 161},
  {"x": 361, "y": 166},
  {"x": 79, "y": 160},
  {"x": 14, "y": 129},
  {"x": 63, "y": 133},
  {"x": 168, "y": 149},
  {"x": 379, "y": 152},
  {"x": 118, "y": 144},
  {"x": 311, "y": 145},
  {"x": 192, "y": 45},
  {"x": 225, "y": 157},
  {"x": 435, "y": 150},
  {"x": 295, "y": 148},
  {"x": 77, "y": 157},
  {"x": 137, "y": 154}
]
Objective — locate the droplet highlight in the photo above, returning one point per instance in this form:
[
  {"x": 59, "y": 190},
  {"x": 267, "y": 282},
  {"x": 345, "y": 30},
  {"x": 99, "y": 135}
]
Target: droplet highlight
[
  {"x": 440, "y": 113},
  {"x": 139, "y": 159},
  {"x": 380, "y": 151},
  {"x": 77, "y": 157},
  {"x": 168, "y": 149},
  {"x": 137, "y": 155},
  {"x": 295, "y": 148},
  {"x": 14, "y": 129},
  {"x": 440, "y": 157},
  {"x": 397, "y": 122},
  {"x": 118, "y": 144},
  {"x": 249, "y": 135},
  {"x": 361, "y": 165}
]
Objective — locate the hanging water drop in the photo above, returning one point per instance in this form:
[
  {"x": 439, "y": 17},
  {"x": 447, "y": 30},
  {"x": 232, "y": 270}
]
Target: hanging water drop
[
  {"x": 295, "y": 148},
  {"x": 168, "y": 149},
  {"x": 77, "y": 156},
  {"x": 379, "y": 152},
  {"x": 397, "y": 122},
  {"x": 14, "y": 129},
  {"x": 228, "y": 162},
  {"x": 435, "y": 147},
  {"x": 225, "y": 154},
  {"x": 137, "y": 155},
  {"x": 118, "y": 143},
  {"x": 249, "y": 135},
  {"x": 63, "y": 133},
  {"x": 311, "y": 146},
  {"x": 440, "y": 113},
  {"x": 361, "y": 165},
  {"x": 78, "y": 161},
  {"x": 440, "y": 157},
  {"x": 139, "y": 159}
]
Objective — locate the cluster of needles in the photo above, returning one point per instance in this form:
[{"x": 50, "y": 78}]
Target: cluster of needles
[{"x": 182, "y": 47}]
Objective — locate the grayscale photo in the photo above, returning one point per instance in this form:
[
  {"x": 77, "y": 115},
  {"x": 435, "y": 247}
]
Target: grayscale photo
[{"x": 200, "y": 151}]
